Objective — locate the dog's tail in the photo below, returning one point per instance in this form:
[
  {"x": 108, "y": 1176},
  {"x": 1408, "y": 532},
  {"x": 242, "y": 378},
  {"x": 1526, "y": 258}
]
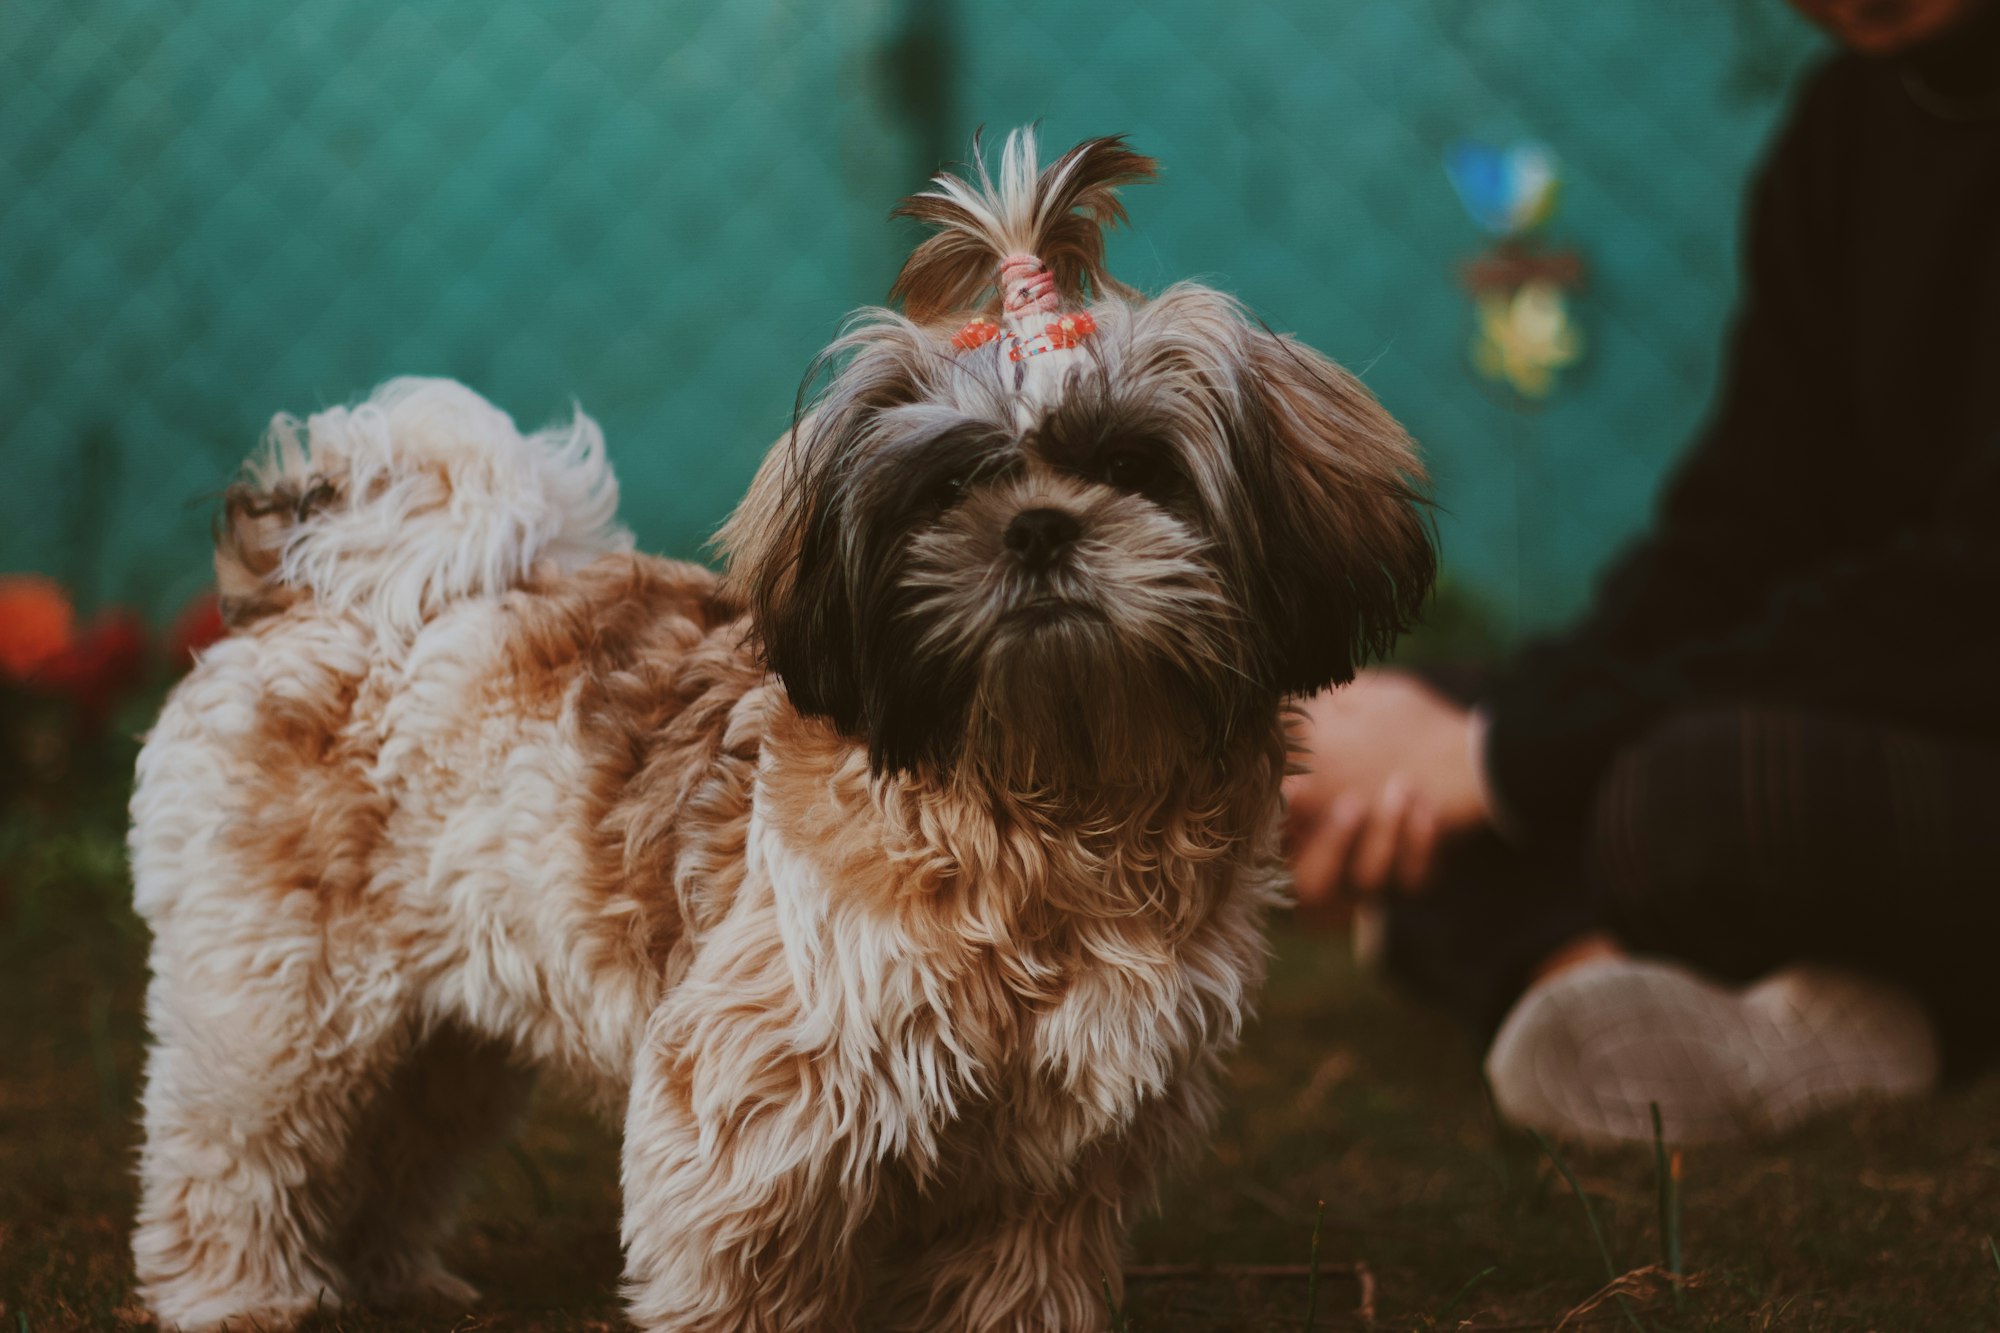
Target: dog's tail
[
  {"x": 1057, "y": 215},
  {"x": 424, "y": 494}
]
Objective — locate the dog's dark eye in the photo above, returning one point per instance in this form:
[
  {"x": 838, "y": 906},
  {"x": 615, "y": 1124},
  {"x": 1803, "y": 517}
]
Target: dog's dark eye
[
  {"x": 1131, "y": 468},
  {"x": 948, "y": 490}
]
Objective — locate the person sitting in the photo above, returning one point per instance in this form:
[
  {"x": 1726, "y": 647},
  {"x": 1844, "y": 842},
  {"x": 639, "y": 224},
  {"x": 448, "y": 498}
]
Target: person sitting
[{"x": 1731, "y": 843}]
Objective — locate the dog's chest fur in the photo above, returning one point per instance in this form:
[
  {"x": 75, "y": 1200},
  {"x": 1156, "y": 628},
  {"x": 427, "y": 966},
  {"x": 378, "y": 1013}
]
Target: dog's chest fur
[{"x": 1016, "y": 992}]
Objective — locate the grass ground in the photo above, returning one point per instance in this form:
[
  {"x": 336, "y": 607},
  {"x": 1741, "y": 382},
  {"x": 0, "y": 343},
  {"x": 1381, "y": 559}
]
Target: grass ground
[{"x": 1343, "y": 1095}]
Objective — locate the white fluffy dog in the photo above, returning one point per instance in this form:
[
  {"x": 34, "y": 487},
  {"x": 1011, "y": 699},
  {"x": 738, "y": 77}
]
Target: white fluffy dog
[{"x": 903, "y": 887}]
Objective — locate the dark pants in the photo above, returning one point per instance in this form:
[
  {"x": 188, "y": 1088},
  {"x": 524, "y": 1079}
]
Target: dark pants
[{"x": 1741, "y": 840}]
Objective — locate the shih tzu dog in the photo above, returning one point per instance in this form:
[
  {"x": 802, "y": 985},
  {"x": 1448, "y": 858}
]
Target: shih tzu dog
[{"x": 903, "y": 886}]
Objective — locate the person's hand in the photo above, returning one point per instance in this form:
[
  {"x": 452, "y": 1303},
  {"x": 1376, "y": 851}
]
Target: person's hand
[{"x": 1391, "y": 769}]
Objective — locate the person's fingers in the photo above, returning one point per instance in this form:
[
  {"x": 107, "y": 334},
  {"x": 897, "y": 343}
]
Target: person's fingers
[
  {"x": 1374, "y": 853},
  {"x": 1306, "y": 802},
  {"x": 1418, "y": 846},
  {"x": 1322, "y": 852}
]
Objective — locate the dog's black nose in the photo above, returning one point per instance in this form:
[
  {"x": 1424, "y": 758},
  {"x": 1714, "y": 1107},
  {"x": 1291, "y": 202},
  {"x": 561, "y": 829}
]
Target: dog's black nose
[{"x": 1038, "y": 536}]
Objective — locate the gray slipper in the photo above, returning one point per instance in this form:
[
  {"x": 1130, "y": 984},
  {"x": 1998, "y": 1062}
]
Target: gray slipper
[{"x": 1585, "y": 1053}]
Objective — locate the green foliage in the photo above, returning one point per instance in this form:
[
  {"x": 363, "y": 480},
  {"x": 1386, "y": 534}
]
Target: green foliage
[
  {"x": 1459, "y": 628},
  {"x": 1312, "y": 1271}
]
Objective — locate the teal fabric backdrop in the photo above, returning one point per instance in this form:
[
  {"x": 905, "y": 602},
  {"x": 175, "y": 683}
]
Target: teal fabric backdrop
[{"x": 210, "y": 212}]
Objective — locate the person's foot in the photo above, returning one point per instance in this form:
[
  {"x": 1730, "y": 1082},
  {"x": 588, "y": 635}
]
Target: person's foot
[{"x": 1586, "y": 1051}]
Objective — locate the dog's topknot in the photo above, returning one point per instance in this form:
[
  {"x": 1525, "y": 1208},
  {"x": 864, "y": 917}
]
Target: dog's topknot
[{"x": 1057, "y": 215}]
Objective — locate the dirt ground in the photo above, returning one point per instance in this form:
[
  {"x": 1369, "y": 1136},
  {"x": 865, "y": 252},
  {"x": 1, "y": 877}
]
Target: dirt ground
[{"x": 1434, "y": 1216}]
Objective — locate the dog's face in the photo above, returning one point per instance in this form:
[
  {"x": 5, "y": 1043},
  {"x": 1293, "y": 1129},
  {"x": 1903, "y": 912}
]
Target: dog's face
[{"x": 1085, "y": 565}]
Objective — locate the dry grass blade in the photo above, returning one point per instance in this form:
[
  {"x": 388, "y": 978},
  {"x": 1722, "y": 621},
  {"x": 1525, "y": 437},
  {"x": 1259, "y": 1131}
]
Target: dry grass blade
[
  {"x": 1166, "y": 1272},
  {"x": 1641, "y": 1284},
  {"x": 1537, "y": 1325}
]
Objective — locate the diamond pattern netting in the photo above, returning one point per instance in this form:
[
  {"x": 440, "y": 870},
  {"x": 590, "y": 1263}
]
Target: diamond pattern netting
[{"x": 211, "y": 213}]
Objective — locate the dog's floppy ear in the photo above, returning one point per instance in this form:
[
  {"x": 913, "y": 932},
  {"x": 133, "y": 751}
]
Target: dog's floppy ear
[
  {"x": 783, "y": 562},
  {"x": 1347, "y": 555}
]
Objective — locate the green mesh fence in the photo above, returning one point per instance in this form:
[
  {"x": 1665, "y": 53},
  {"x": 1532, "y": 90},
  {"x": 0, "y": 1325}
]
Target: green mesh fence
[{"x": 211, "y": 212}]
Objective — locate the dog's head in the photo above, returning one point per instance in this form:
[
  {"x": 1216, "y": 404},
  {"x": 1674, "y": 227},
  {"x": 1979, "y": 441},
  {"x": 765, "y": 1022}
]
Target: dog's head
[{"x": 1086, "y": 534}]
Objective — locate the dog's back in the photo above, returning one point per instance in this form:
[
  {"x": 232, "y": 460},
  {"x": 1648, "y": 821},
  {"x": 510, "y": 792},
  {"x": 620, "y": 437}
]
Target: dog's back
[{"x": 456, "y": 720}]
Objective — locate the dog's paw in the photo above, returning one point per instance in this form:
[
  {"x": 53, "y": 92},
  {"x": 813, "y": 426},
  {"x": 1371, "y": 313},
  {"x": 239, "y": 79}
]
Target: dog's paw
[
  {"x": 418, "y": 1282},
  {"x": 232, "y": 1313},
  {"x": 441, "y": 1284}
]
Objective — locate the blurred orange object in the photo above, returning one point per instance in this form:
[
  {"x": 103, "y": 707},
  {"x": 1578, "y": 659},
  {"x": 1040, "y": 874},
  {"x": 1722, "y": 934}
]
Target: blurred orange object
[
  {"x": 99, "y": 666},
  {"x": 37, "y": 624},
  {"x": 198, "y": 625}
]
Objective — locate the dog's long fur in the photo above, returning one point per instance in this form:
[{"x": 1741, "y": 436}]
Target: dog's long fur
[{"x": 904, "y": 891}]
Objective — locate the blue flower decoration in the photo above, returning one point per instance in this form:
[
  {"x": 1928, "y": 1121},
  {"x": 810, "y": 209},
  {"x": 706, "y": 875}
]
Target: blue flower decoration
[{"x": 1507, "y": 191}]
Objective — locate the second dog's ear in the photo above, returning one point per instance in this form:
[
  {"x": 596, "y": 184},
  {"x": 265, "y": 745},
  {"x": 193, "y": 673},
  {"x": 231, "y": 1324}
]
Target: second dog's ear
[
  {"x": 783, "y": 564},
  {"x": 1348, "y": 556}
]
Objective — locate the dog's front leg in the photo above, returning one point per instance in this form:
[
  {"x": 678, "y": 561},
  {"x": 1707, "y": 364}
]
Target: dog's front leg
[
  {"x": 744, "y": 1185},
  {"x": 1046, "y": 1250},
  {"x": 1024, "y": 1263}
]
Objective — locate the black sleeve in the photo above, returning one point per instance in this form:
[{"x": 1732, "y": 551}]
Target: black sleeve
[{"x": 1764, "y": 502}]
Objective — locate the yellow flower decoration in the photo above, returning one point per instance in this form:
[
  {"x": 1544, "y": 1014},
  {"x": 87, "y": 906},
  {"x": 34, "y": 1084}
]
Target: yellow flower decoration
[{"x": 1525, "y": 336}]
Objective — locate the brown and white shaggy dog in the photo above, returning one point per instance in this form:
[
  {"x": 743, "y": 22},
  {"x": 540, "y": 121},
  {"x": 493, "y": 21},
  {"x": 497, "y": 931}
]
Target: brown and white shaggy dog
[{"x": 903, "y": 887}]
